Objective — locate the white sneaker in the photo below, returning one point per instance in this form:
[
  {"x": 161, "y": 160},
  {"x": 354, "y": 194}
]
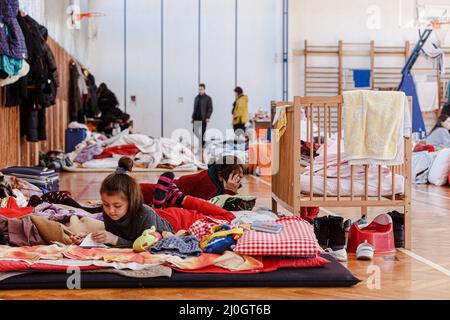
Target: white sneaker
[
  {"x": 339, "y": 255},
  {"x": 365, "y": 251}
]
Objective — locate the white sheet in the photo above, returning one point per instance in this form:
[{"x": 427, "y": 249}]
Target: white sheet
[
  {"x": 427, "y": 92},
  {"x": 358, "y": 186},
  {"x": 152, "y": 152},
  {"x": 345, "y": 173}
]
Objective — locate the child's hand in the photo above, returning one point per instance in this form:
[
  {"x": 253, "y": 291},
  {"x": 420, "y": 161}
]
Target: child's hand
[
  {"x": 233, "y": 183},
  {"x": 77, "y": 239},
  {"x": 105, "y": 237}
]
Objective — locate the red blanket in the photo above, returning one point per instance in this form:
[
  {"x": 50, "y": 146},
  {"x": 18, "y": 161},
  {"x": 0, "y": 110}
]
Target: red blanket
[
  {"x": 269, "y": 265},
  {"x": 17, "y": 266},
  {"x": 13, "y": 211},
  {"x": 125, "y": 150}
]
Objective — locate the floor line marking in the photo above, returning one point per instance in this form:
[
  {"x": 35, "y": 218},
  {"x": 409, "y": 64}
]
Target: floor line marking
[{"x": 426, "y": 261}]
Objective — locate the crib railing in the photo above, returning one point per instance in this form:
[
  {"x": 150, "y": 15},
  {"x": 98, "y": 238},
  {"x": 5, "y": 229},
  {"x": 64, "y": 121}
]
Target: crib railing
[
  {"x": 285, "y": 152},
  {"x": 319, "y": 111},
  {"x": 325, "y": 114}
]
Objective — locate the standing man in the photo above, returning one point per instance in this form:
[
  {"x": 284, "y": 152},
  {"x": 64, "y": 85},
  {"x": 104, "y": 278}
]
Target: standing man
[{"x": 203, "y": 108}]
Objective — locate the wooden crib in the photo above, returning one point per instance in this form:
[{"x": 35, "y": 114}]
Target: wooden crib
[{"x": 324, "y": 116}]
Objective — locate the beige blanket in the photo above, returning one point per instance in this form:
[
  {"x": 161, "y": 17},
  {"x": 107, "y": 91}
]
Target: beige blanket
[
  {"x": 375, "y": 123},
  {"x": 53, "y": 231}
]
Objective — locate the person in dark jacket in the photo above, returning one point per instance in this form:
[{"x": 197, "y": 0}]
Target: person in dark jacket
[
  {"x": 91, "y": 104},
  {"x": 203, "y": 109}
]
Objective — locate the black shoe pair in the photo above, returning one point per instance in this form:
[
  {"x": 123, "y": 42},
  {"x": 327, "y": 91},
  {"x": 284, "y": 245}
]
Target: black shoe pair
[
  {"x": 399, "y": 228},
  {"x": 330, "y": 232}
]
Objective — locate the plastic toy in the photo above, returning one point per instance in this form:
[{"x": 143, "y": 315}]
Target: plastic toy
[
  {"x": 222, "y": 238},
  {"x": 148, "y": 239},
  {"x": 380, "y": 234}
]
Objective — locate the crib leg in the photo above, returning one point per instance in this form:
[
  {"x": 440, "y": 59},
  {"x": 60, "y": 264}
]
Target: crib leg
[
  {"x": 363, "y": 211},
  {"x": 408, "y": 232},
  {"x": 274, "y": 205}
]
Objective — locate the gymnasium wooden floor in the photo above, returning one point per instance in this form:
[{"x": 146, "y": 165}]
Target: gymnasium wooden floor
[{"x": 422, "y": 273}]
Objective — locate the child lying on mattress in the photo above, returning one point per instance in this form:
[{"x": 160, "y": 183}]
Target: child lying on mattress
[
  {"x": 222, "y": 177},
  {"x": 126, "y": 217}
]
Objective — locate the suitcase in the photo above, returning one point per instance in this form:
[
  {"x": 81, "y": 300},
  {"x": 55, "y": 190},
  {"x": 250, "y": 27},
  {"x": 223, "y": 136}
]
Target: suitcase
[
  {"x": 44, "y": 178},
  {"x": 74, "y": 137}
]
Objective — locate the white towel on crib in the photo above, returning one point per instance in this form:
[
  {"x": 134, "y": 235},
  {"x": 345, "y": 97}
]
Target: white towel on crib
[{"x": 372, "y": 124}]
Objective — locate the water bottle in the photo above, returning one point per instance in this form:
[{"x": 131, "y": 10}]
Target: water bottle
[
  {"x": 116, "y": 129},
  {"x": 422, "y": 134}
]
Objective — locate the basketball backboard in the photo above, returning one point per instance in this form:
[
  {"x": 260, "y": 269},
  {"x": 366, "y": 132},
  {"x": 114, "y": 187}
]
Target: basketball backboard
[{"x": 426, "y": 14}]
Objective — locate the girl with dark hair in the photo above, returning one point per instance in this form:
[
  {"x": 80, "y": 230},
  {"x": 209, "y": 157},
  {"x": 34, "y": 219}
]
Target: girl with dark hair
[
  {"x": 126, "y": 216},
  {"x": 440, "y": 135},
  {"x": 223, "y": 177}
]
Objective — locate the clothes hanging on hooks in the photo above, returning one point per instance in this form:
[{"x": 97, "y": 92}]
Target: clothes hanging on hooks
[
  {"x": 12, "y": 40},
  {"x": 38, "y": 89},
  {"x": 427, "y": 92},
  {"x": 432, "y": 51},
  {"x": 83, "y": 101}
]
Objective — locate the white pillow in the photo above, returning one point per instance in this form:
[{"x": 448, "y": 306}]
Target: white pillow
[{"x": 441, "y": 167}]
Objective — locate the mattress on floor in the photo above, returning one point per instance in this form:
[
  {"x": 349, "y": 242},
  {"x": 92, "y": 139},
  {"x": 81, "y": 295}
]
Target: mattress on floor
[
  {"x": 330, "y": 275},
  {"x": 358, "y": 186}
]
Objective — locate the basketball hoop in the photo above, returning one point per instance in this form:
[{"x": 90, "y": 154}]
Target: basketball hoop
[
  {"x": 93, "y": 23},
  {"x": 85, "y": 15},
  {"x": 76, "y": 17},
  {"x": 435, "y": 17},
  {"x": 440, "y": 28}
]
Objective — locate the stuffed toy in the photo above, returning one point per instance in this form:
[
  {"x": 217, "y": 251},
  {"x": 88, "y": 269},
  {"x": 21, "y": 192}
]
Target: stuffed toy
[
  {"x": 148, "y": 239},
  {"x": 222, "y": 238}
]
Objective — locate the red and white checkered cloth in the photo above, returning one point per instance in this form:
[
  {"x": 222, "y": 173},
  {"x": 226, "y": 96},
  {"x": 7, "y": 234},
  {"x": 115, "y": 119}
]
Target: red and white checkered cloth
[
  {"x": 202, "y": 227},
  {"x": 296, "y": 239}
]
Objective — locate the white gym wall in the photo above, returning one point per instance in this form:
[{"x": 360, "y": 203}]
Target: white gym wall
[
  {"x": 325, "y": 22},
  {"x": 165, "y": 63}
]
